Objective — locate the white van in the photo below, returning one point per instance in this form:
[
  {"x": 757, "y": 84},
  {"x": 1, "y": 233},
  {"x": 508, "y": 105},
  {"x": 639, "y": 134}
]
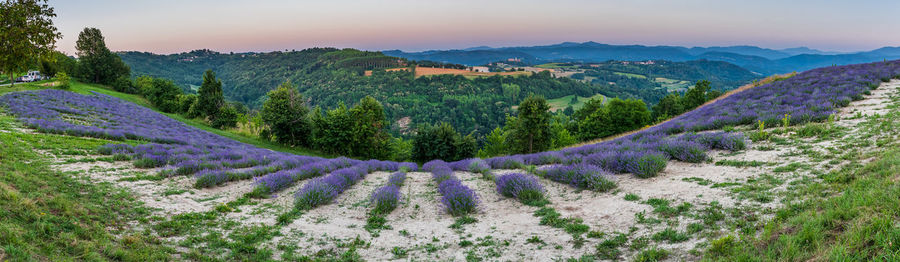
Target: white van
[{"x": 31, "y": 76}]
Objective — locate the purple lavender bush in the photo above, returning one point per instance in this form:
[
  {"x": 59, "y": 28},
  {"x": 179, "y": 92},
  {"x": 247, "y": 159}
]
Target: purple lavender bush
[
  {"x": 397, "y": 179},
  {"x": 526, "y": 188},
  {"x": 583, "y": 176},
  {"x": 315, "y": 193},
  {"x": 408, "y": 167},
  {"x": 385, "y": 199},
  {"x": 644, "y": 164},
  {"x": 209, "y": 178},
  {"x": 457, "y": 198},
  {"x": 686, "y": 151}
]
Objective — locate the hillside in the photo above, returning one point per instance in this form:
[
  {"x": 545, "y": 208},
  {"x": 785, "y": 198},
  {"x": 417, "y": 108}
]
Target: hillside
[
  {"x": 761, "y": 60},
  {"x": 709, "y": 184},
  {"x": 329, "y": 77}
]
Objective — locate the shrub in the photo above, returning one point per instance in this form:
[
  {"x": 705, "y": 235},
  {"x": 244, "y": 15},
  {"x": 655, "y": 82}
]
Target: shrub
[
  {"x": 479, "y": 166},
  {"x": 430, "y": 165},
  {"x": 684, "y": 150},
  {"x": 314, "y": 193},
  {"x": 397, "y": 179},
  {"x": 644, "y": 164},
  {"x": 225, "y": 118},
  {"x": 210, "y": 178},
  {"x": 525, "y": 188},
  {"x": 62, "y": 80},
  {"x": 583, "y": 175},
  {"x": 408, "y": 167},
  {"x": 457, "y": 198},
  {"x": 385, "y": 199}
]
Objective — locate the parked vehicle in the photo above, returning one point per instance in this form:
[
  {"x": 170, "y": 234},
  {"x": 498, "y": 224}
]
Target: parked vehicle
[{"x": 31, "y": 76}]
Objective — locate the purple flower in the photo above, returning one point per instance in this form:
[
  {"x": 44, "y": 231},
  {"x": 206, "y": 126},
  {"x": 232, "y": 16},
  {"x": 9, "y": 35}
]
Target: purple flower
[
  {"x": 385, "y": 199},
  {"x": 525, "y": 188}
]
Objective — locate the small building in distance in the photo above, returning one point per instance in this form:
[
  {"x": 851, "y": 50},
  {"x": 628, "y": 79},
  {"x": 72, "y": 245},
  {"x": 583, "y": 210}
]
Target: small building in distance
[{"x": 481, "y": 69}]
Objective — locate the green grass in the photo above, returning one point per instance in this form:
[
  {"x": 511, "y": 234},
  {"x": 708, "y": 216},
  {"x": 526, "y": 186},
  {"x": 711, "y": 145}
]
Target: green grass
[
  {"x": 631, "y": 75},
  {"x": 83, "y": 88},
  {"x": 50, "y": 216},
  {"x": 850, "y": 215},
  {"x": 554, "y": 65},
  {"x": 563, "y": 102}
]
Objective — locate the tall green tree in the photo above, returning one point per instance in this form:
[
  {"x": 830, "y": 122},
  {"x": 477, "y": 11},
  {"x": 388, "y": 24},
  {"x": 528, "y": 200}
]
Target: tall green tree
[
  {"x": 27, "y": 35},
  {"x": 696, "y": 96},
  {"x": 209, "y": 97},
  {"x": 669, "y": 106},
  {"x": 627, "y": 115},
  {"x": 494, "y": 144},
  {"x": 96, "y": 63},
  {"x": 371, "y": 139},
  {"x": 593, "y": 120},
  {"x": 443, "y": 142},
  {"x": 531, "y": 127},
  {"x": 286, "y": 115},
  {"x": 335, "y": 131}
]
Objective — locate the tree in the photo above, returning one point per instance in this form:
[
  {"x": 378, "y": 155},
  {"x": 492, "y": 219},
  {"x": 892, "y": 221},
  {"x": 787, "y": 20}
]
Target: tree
[
  {"x": 696, "y": 96},
  {"x": 560, "y": 136},
  {"x": 286, "y": 115},
  {"x": 627, "y": 115},
  {"x": 669, "y": 106},
  {"x": 370, "y": 138},
  {"x": 592, "y": 120},
  {"x": 27, "y": 35},
  {"x": 162, "y": 93},
  {"x": 209, "y": 96},
  {"x": 494, "y": 144},
  {"x": 227, "y": 117},
  {"x": 96, "y": 63},
  {"x": 442, "y": 142},
  {"x": 531, "y": 128},
  {"x": 511, "y": 92}
]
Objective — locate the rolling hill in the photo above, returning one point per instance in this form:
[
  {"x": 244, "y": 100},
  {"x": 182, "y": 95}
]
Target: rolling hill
[{"x": 762, "y": 60}]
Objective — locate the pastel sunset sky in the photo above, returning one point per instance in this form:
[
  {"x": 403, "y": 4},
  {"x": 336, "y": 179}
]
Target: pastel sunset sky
[{"x": 172, "y": 26}]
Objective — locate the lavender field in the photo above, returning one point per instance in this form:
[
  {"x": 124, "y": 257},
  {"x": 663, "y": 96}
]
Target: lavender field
[{"x": 673, "y": 186}]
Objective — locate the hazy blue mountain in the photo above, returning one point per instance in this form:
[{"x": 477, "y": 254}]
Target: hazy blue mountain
[
  {"x": 741, "y": 50},
  {"x": 756, "y": 59}
]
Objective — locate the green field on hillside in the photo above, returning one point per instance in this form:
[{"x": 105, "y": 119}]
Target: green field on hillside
[
  {"x": 631, "y": 75},
  {"x": 563, "y": 102},
  {"x": 554, "y": 65}
]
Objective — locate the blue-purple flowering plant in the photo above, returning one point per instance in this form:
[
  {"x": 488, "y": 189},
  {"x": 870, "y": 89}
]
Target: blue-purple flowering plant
[{"x": 526, "y": 188}]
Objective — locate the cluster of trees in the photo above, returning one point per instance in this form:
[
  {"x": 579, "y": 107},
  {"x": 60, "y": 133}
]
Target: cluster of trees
[
  {"x": 675, "y": 104},
  {"x": 208, "y": 104},
  {"x": 358, "y": 131}
]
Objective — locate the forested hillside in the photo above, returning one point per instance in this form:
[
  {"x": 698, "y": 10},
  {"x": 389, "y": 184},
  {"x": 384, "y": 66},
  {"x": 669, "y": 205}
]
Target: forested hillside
[{"x": 328, "y": 77}]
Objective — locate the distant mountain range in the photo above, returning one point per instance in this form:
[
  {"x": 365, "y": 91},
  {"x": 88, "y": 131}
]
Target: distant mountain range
[{"x": 757, "y": 59}]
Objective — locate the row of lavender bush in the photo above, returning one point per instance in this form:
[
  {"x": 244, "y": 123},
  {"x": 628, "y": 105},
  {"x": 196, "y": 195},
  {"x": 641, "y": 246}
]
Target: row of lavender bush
[
  {"x": 458, "y": 199},
  {"x": 386, "y": 198}
]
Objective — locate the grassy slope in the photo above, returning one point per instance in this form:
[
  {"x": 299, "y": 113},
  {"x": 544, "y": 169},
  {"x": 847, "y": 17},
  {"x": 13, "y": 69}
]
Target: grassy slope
[
  {"x": 50, "y": 216},
  {"x": 850, "y": 215},
  {"x": 83, "y": 88}
]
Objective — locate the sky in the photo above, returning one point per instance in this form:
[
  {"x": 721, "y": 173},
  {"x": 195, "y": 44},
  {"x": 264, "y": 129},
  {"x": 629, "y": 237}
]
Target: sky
[{"x": 174, "y": 26}]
